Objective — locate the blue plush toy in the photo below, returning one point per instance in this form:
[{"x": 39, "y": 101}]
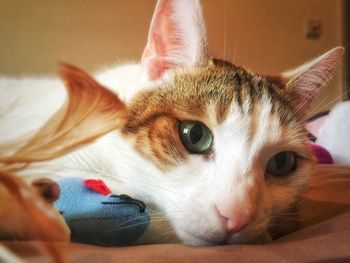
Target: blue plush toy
[{"x": 95, "y": 216}]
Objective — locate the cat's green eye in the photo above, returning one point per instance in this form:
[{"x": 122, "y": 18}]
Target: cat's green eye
[
  {"x": 282, "y": 164},
  {"x": 195, "y": 136}
]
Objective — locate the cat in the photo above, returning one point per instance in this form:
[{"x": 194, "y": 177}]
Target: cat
[{"x": 217, "y": 150}]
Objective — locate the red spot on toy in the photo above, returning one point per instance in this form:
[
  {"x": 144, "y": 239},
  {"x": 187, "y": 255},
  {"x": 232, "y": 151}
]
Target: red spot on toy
[{"x": 98, "y": 186}]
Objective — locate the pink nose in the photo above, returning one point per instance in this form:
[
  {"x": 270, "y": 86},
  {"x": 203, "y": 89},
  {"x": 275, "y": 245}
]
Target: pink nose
[{"x": 237, "y": 220}]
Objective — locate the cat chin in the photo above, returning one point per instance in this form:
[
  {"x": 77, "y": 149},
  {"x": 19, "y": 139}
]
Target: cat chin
[
  {"x": 201, "y": 240},
  {"x": 214, "y": 239}
]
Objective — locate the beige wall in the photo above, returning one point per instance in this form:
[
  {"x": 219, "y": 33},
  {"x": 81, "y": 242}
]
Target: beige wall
[{"x": 267, "y": 36}]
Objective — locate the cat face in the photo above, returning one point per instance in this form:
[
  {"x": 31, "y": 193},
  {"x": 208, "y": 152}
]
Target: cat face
[
  {"x": 249, "y": 121},
  {"x": 230, "y": 145}
]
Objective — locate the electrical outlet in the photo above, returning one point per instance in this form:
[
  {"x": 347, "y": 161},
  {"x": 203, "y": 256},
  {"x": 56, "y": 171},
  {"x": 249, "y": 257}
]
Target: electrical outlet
[{"x": 313, "y": 28}]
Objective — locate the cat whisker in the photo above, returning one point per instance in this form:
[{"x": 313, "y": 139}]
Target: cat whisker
[
  {"x": 171, "y": 231},
  {"x": 236, "y": 45},
  {"x": 317, "y": 108},
  {"x": 126, "y": 223},
  {"x": 331, "y": 176},
  {"x": 117, "y": 228},
  {"x": 284, "y": 219},
  {"x": 164, "y": 213},
  {"x": 280, "y": 225},
  {"x": 103, "y": 173},
  {"x": 329, "y": 181},
  {"x": 225, "y": 30},
  {"x": 284, "y": 215},
  {"x": 153, "y": 218}
]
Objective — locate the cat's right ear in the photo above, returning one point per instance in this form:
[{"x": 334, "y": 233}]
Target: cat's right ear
[
  {"x": 305, "y": 82},
  {"x": 177, "y": 38}
]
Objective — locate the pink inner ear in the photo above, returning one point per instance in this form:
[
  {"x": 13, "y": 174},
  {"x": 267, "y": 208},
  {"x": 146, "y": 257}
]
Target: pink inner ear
[
  {"x": 305, "y": 81},
  {"x": 156, "y": 67},
  {"x": 314, "y": 126},
  {"x": 176, "y": 38},
  {"x": 163, "y": 38}
]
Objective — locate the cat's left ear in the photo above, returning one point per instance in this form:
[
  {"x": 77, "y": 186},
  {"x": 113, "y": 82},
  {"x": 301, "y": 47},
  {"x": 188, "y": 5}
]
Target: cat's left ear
[
  {"x": 177, "y": 38},
  {"x": 304, "y": 82}
]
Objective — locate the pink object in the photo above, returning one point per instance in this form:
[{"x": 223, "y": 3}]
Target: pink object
[{"x": 322, "y": 155}]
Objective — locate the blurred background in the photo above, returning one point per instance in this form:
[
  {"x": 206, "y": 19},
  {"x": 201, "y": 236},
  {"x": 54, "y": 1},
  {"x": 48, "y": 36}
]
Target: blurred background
[{"x": 266, "y": 36}]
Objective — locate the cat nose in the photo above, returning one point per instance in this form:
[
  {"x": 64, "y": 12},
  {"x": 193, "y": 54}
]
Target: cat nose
[{"x": 236, "y": 219}]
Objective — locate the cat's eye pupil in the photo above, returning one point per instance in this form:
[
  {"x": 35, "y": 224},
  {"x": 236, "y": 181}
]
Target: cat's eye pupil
[
  {"x": 282, "y": 164},
  {"x": 281, "y": 159},
  {"x": 196, "y": 133},
  {"x": 195, "y": 136}
]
